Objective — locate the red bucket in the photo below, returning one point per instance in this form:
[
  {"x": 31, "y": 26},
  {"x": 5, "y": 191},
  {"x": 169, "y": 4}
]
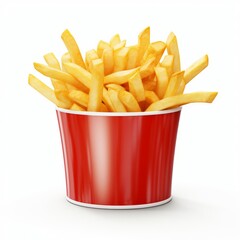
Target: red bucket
[{"x": 118, "y": 160}]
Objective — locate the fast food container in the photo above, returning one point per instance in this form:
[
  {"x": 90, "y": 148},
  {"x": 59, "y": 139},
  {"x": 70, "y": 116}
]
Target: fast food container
[{"x": 118, "y": 160}]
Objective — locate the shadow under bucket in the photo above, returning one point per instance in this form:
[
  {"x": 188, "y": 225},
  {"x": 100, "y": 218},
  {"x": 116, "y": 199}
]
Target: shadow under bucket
[{"x": 118, "y": 160}]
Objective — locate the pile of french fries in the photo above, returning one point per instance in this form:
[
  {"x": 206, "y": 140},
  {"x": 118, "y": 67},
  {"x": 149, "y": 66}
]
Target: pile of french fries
[{"x": 119, "y": 78}]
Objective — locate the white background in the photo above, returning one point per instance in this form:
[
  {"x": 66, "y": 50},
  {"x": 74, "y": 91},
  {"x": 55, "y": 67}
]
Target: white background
[{"x": 206, "y": 182}]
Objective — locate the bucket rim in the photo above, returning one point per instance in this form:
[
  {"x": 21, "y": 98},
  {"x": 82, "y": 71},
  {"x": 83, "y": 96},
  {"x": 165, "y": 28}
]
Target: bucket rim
[{"x": 118, "y": 114}]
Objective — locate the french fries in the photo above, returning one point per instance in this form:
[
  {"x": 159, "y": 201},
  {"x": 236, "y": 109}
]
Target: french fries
[
  {"x": 116, "y": 102},
  {"x": 162, "y": 81},
  {"x": 136, "y": 87},
  {"x": 52, "y": 61},
  {"x": 174, "y": 84},
  {"x": 195, "y": 68},
  {"x": 172, "y": 48},
  {"x": 73, "y": 48},
  {"x": 129, "y": 101},
  {"x": 96, "y": 90},
  {"x": 178, "y": 100},
  {"x": 115, "y": 77}
]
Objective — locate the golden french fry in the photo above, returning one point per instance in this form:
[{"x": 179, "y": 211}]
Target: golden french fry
[
  {"x": 57, "y": 74},
  {"x": 45, "y": 90},
  {"x": 76, "y": 107},
  {"x": 79, "y": 73},
  {"x": 181, "y": 87},
  {"x": 103, "y": 108},
  {"x": 183, "y": 99},
  {"x": 195, "y": 68},
  {"x": 173, "y": 84},
  {"x": 82, "y": 99},
  {"x": 115, "y": 40},
  {"x": 116, "y": 103},
  {"x": 168, "y": 64},
  {"x": 79, "y": 97},
  {"x": 120, "y": 77},
  {"x": 96, "y": 90},
  {"x": 143, "y": 42},
  {"x": 129, "y": 101},
  {"x": 120, "y": 59},
  {"x": 108, "y": 60},
  {"x": 150, "y": 97},
  {"x": 101, "y": 46},
  {"x": 107, "y": 100},
  {"x": 116, "y": 87},
  {"x": 72, "y": 48},
  {"x": 62, "y": 95},
  {"x": 71, "y": 87},
  {"x": 155, "y": 49},
  {"x": 90, "y": 56},
  {"x": 136, "y": 87},
  {"x": 66, "y": 58},
  {"x": 172, "y": 48},
  {"x": 132, "y": 57},
  {"x": 162, "y": 81},
  {"x": 147, "y": 68},
  {"x": 119, "y": 45},
  {"x": 42, "y": 88},
  {"x": 150, "y": 84},
  {"x": 52, "y": 61}
]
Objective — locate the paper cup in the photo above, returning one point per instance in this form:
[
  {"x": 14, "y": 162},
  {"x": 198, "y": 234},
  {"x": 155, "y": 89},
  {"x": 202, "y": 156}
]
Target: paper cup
[{"x": 118, "y": 160}]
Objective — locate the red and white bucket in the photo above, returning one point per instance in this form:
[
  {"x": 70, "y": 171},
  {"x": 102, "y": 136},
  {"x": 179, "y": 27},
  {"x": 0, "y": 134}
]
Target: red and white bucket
[{"x": 118, "y": 160}]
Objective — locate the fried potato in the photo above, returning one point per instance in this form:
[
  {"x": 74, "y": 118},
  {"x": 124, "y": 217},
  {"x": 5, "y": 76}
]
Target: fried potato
[
  {"x": 79, "y": 97},
  {"x": 116, "y": 103},
  {"x": 172, "y": 49},
  {"x": 66, "y": 58},
  {"x": 143, "y": 42},
  {"x": 132, "y": 57},
  {"x": 115, "y": 40},
  {"x": 149, "y": 84},
  {"x": 102, "y": 45},
  {"x": 119, "y": 45},
  {"x": 120, "y": 77},
  {"x": 62, "y": 95},
  {"x": 136, "y": 87},
  {"x": 81, "y": 74},
  {"x": 155, "y": 49},
  {"x": 120, "y": 59},
  {"x": 108, "y": 60},
  {"x": 168, "y": 64},
  {"x": 72, "y": 48},
  {"x": 171, "y": 102},
  {"x": 76, "y": 107},
  {"x": 57, "y": 74},
  {"x": 162, "y": 81},
  {"x": 195, "y": 68},
  {"x": 45, "y": 91},
  {"x": 181, "y": 87},
  {"x": 96, "y": 90},
  {"x": 129, "y": 101},
  {"x": 90, "y": 56},
  {"x": 42, "y": 88},
  {"x": 174, "y": 84},
  {"x": 150, "y": 97},
  {"x": 116, "y": 87},
  {"x": 107, "y": 100},
  {"x": 52, "y": 61},
  {"x": 148, "y": 68}
]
